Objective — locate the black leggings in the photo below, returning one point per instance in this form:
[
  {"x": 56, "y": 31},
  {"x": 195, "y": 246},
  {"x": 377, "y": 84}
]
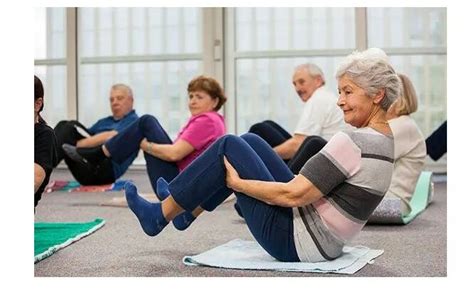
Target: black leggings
[
  {"x": 310, "y": 146},
  {"x": 92, "y": 174},
  {"x": 66, "y": 133},
  {"x": 437, "y": 142},
  {"x": 271, "y": 132},
  {"x": 85, "y": 173}
]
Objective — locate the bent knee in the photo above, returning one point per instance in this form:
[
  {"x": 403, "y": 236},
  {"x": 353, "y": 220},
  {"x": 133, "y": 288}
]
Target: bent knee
[{"x": 251, "y": 138}]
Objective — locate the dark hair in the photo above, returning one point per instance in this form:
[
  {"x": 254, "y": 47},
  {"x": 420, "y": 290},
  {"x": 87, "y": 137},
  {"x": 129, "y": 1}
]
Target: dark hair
[
  {"x": 210, "y": 86},
  {"x": 39, "y": 90}
]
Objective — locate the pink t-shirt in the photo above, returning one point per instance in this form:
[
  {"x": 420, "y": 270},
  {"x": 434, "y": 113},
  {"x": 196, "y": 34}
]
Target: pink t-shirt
[{"x": 200, "y": 131}]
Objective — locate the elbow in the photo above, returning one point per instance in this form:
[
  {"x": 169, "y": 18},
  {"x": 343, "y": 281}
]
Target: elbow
[
  {"x": 39, "y": 178},
  {"x": 291, "y": 199},
  {"x": 294, "y": 202},
  {"x": 174, "y": 157}
]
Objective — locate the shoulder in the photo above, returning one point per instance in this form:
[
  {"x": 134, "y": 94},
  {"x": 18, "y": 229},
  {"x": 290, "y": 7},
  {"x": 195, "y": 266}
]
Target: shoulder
[
  {"x": 343, "y": 141},
  {"x": 372, "y": 142},
  {"x": 105, "y": 119},
  {"x": 322, "y": 97},
  {"x": 209, "y": 118},
  {"x": 131, "y": 115},
  {"x": 324, "y": 93},
  {"x": 405, "y": 125},
  {"x": 367, "y": 135}
]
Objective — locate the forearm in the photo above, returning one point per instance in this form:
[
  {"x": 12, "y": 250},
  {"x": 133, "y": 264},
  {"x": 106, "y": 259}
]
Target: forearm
[
  {"x": 288, "y": 149},
  {"x": 273, "y": 193},
  {"x": 297, "y": 192},
  {"x": 168, "y": 152},
  {"x": 96, "y": 140},
  {"x": 162, "y": 151}
]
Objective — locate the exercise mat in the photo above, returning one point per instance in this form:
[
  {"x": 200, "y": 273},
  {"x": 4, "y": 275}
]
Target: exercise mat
[{"x": 51, "y": 237}]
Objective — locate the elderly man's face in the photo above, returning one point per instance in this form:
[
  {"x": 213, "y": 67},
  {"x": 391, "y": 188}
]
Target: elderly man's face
[
  {"x": 120, "y": 103},
  {"x": 354, "y": 102},
  {"x": 305, "y": 84}
]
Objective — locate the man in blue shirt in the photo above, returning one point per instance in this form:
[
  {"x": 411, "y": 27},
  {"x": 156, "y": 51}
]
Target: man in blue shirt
[{"x": 74, "y": 133}]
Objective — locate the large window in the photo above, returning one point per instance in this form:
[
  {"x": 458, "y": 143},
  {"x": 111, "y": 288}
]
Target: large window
[
  {"x": 50, "y": 60},
  {"x": 415, "y": 39},
  {"x": 255, "y": 50},
  {"x": 269, "y": 43},
  {"x": 156, "y": 51}
]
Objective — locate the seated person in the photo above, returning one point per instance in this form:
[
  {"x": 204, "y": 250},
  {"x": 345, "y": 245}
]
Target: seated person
[
  {"x": 69, "y": 132},
  {"x": 437, "y": 142},
  {"x": 165, "y": 158},
  {"x": 320, "y": 115},
  {"x": 336, "y": 191},
  {"x": 410, "y": 148},
  {"x": 45, "y": 145}
]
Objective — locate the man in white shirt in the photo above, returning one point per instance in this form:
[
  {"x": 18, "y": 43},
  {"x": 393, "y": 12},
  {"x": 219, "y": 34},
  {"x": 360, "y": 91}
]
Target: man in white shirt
[{"x": 320, "y": 117}]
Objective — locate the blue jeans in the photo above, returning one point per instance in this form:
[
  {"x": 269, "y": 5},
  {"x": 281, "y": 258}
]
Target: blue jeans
[
  {"x": 127, "y": 142},
  {"x": 203, "y": 184}
]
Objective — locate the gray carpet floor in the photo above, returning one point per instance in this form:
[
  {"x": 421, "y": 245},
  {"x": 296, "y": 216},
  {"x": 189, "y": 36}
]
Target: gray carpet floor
[{"x": 121, "y": 249}]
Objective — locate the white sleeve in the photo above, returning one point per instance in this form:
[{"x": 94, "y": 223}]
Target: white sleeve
[{"x": 312, "y": 118}]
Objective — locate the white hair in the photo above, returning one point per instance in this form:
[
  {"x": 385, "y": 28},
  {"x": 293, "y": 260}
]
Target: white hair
[
  {"x": 371, "y": 71},
  {"x": 123, "y": 87},
  {"x": 313, "y": 70}
]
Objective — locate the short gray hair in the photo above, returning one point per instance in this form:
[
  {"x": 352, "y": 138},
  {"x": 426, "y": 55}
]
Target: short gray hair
[
  {"x": 313, "y": 70},
  {"x": 372, "y": 73},
  {"x": 123, "y": 87}
]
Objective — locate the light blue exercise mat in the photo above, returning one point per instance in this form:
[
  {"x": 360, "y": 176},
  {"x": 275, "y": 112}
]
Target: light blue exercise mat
[
  {"x": 51, "y": 237},
  {"x": 249, "y": 255},
  {"x": 389, "y": 211}
]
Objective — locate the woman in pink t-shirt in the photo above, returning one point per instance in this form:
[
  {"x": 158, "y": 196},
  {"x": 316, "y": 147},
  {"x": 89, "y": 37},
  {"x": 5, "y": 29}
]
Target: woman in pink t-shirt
[{"x": 166, "y": 158}]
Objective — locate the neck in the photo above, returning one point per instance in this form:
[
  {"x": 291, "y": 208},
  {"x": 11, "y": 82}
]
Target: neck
[
  {"x": 373, "y": 116},
  {"x": 378, "y": 121}
]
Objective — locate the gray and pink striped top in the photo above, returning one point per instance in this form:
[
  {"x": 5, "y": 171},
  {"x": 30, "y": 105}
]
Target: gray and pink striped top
[{"x": 353, "y": 171}]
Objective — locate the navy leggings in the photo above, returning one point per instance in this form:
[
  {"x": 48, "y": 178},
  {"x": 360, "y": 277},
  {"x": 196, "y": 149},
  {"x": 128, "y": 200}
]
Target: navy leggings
[
  {"x": 203, "y": 184},
  {"x": 127, "y": 142}
]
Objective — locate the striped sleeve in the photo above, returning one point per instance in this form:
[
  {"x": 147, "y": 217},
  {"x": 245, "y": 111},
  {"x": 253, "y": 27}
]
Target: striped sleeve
[{"x": 337, "y": 161}]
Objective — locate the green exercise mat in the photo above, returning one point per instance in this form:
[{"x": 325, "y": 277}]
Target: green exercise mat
[
  {"x": 389, "y": 211},
  {"x": 51, "y": 237}
]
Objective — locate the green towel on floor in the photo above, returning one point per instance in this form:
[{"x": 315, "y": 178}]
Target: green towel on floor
[{"x": 50, "y": 237}]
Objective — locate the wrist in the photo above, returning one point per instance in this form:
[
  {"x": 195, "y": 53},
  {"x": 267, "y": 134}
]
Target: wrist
[
  {"x": 238, "y": 185},
  {"x": 149, "y": 148}
]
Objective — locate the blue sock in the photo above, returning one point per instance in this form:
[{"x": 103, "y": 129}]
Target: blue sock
[
  {"x": 183, "y": 220},
  {"x": 162, "y": 191},
  {"x": 150, "y": 215}
]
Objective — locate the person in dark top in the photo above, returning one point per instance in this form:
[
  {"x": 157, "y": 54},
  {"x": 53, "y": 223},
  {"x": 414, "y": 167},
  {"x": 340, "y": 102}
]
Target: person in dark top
[
  {"x": 45, "y": 145},
  {"x": 74, "y": 133}
]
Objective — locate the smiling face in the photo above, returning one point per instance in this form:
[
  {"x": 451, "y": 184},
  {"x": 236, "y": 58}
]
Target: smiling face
[
  {"x": 354, "y": 102},
  {"x": 305, "y": 84},
  {"x": 201, "y": 102}
]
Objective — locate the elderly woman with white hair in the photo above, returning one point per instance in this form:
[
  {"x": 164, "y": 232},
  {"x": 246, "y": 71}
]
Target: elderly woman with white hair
[{"x": 308, "y": 217}]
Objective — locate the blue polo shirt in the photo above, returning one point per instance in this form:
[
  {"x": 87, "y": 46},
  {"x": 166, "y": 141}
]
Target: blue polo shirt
[{"x": 109, "y": 124}]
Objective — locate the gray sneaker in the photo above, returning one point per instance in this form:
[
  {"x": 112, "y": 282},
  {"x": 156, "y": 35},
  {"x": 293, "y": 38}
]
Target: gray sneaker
[{"x": 71, "y": 152}]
